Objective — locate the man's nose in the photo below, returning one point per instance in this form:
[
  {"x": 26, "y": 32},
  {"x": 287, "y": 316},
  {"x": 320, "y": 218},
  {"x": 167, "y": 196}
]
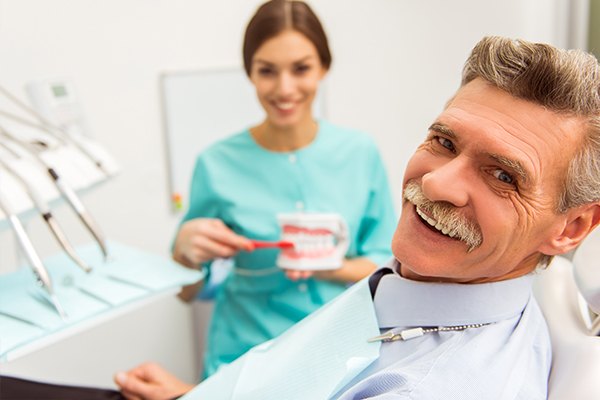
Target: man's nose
[{"x": 448, "y": 182}]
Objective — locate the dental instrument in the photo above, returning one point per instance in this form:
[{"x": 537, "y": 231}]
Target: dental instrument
[
  {"x": 66, "y": 191},
  {"x": 44, "y": 210},
  {"x": 32, "y": 256}
]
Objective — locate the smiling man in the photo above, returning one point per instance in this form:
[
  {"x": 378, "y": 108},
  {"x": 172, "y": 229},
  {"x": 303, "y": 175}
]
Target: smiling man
[{"x": 507, "y": 177}]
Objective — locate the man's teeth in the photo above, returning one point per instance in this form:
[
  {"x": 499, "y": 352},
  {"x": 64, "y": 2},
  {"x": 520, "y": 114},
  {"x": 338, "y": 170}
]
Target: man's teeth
[{"x": 445, "y": 230}]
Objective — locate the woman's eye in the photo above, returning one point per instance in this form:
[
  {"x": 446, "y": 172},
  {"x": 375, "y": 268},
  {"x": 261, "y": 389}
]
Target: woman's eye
[
  {"x": 265, "y": 71},
  {"x": 300, "y": 69},
  {"x": 446, "y": 143},
  {"x": 503, "y": 176}
]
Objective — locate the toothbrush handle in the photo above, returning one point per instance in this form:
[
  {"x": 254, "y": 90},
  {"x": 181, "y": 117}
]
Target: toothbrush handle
[{"x": 260, "y": 244}]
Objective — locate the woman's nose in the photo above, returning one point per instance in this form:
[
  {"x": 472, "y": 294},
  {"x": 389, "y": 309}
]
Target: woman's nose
[
  {"x": 448, "y": 182},
  {"x": 285, "y": 84}
]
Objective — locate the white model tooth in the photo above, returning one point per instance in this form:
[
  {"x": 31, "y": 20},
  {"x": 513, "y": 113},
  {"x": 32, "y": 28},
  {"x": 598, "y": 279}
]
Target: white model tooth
[
  {"x": 297, "y": 240},
  {"x": 431, "y": 221},
  {"x": 445, "y": 231},
  {"x": 439, "y": 226},
  {"x": 452, "y": 234}
]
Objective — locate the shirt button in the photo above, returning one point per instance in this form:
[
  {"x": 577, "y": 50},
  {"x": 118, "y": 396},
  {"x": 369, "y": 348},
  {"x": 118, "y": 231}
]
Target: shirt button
[
  {"x": 303, "y": 287},
  {"x": 299, "y": 205},
  {"x": 292, "y": 158}
]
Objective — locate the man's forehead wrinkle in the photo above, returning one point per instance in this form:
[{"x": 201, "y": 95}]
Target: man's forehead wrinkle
[{"x": 529, "y": 152}]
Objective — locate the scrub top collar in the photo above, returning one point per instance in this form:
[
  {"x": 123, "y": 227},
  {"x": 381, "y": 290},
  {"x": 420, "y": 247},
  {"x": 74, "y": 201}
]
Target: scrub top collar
[
  {"x": 323, "y": 127},
  {"x": 401, "y": 302}
]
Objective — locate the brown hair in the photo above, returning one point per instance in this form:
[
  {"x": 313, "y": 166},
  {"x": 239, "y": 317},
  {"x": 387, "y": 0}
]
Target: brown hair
[
  {"x": 564, "y": 81},
  {"x": 275, "y": 16}
]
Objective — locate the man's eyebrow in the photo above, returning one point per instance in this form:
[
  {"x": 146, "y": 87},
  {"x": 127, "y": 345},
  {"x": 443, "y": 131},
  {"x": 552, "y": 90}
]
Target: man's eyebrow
[
  {"x": 437, "y": 127},
  {"x": 513, "y": 165}
]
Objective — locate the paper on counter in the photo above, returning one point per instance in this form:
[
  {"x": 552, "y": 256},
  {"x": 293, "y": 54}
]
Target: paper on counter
[
  {"x": 147, "y": 270},
  {"x": 16, "y": 300},
  {"x": 109, "y": 290},
  {"x": 15, "y": 333}
]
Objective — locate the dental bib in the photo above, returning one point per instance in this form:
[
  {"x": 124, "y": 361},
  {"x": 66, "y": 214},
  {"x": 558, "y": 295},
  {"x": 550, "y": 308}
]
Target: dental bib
[{"x": 312, "y": 360}]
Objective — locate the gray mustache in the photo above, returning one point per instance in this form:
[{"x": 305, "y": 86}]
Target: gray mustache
[{"x": 445, "y": 215}]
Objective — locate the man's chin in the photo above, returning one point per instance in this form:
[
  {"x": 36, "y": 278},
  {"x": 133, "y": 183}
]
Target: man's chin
[{"x": 423, "y": 266}]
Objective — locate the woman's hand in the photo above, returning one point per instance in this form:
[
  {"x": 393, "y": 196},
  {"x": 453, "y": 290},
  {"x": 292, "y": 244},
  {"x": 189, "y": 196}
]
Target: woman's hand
[
  {"x": 204, "y": 239},
  {"x": 150, "y": 381}
]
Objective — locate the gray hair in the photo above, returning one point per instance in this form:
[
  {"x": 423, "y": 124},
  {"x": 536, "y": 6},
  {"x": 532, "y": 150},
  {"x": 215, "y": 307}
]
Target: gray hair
[{"x": 564, "y": 81}]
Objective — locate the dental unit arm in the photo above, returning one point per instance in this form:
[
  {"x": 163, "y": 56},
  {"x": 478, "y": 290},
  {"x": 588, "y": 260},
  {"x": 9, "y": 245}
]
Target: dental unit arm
[{"x": 46, "y": 126}]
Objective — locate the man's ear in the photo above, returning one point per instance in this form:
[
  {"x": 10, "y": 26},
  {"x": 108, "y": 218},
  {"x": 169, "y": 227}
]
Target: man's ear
[{"x": 580, "y": 221}]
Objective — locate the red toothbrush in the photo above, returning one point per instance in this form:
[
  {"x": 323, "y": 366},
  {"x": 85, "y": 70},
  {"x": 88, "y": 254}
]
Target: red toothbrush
[{"x": 260, "y": 244}]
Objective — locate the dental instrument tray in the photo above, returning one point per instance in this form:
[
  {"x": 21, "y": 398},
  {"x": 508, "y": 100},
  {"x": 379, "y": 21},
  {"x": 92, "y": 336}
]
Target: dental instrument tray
[{"x": 129, "y": 278}]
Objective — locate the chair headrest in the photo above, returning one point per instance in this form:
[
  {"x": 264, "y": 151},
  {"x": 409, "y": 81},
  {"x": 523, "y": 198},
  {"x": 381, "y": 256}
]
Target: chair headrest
[{"x": 586, "y": 262}]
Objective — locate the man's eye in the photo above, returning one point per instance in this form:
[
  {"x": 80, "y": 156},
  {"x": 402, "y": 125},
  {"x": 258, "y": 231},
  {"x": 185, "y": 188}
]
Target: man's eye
[
  {"x": 503, "y": 176},
  {"x": 446, "y": 143}
]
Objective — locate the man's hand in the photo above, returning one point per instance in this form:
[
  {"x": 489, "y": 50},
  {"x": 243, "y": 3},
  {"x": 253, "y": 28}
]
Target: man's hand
[{"x": 149, "y": 381}]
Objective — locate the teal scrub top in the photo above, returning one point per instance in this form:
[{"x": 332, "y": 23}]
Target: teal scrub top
[{"x": 246, "y": 186}]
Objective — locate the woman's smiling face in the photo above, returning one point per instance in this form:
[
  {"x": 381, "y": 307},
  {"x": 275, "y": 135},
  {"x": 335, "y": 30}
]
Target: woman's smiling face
[{"x": 286, "y": 72}]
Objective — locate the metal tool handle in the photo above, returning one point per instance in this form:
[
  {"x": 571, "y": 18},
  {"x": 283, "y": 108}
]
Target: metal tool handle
[
  {"x": 44, "y": 210},
  {"x": 79, "y": 208}
]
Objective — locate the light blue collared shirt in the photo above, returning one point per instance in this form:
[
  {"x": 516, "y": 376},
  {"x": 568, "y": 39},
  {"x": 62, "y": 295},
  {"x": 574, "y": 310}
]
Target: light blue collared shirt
[{"x": 508, "y": 359}]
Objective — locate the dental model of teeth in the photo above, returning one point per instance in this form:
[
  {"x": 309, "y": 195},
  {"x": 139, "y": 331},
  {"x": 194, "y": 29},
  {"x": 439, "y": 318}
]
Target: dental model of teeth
[{"x": 313, "y": 248}]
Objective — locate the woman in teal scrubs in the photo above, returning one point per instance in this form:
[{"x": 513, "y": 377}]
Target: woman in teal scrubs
[{"x": 290, "y": 162}]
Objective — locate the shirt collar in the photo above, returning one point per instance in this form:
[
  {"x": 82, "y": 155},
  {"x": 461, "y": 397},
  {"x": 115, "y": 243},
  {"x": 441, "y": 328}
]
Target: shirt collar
[{"x": 401, "y": 302}]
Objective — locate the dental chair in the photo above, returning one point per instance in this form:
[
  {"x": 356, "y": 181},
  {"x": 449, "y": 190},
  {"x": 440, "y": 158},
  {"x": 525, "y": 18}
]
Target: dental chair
[{"x": 569, "y": 295}]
